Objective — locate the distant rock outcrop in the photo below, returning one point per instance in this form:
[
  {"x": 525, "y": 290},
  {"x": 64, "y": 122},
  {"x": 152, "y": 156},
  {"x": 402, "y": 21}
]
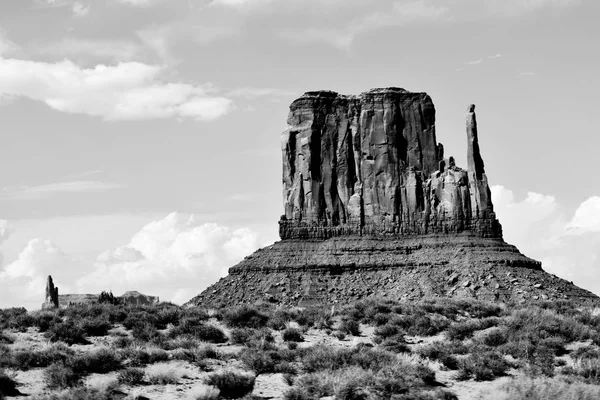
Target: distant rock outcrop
[
  {"x": 138, "y": 299},
  {"x": 372, "y": 208},
  {"x": 54, "y": 300},
  {"x": 51, "y": 295}
]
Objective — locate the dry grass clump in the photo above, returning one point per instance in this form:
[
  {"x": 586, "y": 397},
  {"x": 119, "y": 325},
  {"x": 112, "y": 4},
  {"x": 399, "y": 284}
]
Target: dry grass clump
[
  {"x": 544, "y": 389},
  {"x": 231, "y": 385},
  {"x": 165, "y": 373}
]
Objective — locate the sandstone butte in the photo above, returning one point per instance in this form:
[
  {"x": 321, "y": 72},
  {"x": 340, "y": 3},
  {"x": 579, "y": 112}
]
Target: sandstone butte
[{"x": 373, "y": 208}]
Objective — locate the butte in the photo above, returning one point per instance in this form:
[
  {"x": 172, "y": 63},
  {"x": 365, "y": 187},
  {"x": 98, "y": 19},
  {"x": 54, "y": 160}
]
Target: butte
[{"x": 374, "y": 209}]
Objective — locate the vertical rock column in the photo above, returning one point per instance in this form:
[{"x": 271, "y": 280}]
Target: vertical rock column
[
  {"x": 482, "y": 210},
  {"x": 51, "y": 295}
]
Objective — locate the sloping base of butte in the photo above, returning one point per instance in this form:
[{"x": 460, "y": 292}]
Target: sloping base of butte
[{"x": 374, "y": 209}]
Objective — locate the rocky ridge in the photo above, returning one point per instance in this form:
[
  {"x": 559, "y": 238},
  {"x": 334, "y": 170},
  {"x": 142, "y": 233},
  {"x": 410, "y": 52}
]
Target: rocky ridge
[{"x": 374, "y": 209}]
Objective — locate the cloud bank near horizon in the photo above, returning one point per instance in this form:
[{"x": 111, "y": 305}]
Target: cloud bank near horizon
[{"x": 177, "y": 257}]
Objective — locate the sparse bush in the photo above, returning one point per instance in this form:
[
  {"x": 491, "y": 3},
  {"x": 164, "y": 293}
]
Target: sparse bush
[
  {"x": 482, "y": 365},
  {"x": 99, "y": 361},
  {"x": 296, "y": 393},
  {"x": 495, "y": 337},
  {"x": 350, "y": 326},
  {"x": 145, "y": 332},
  {"x": 241, "y": 335},
  {"x": 544, "y": 389},
  {"x": 131, "y": 376},
  {"x": 201, "y": 331},
  {"x": 395, "y": 344},
  {"x": 66, "y": 332},
  {"x": 465, "y": 329},
  {"x": 245, "y": 317},
  {"x": 44, "y": 320},
  {"x": 15, "y": 318},
  {"x": 231, "y": 385},
  {"x": 5, "y": 339},
  {"x": 61, "y": 376},
  {"x": 164, "y": 374},
  {"x": 109, "y": 298},
  {"x": 292, "y": 335},
  {"x": 96, "y": 326}
]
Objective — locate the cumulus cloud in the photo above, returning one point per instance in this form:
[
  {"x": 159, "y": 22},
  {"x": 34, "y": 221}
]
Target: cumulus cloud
[
  {"x": 126, "y": 91},
  {"x": 23, "y": 281},
  {"x": 539, "y": 226},
  {"x": 80, "y": 9},
  {"x": 586, "y": 218},
  {"x": 102, "y": 49},
  {"x": 175, "y": 258}
]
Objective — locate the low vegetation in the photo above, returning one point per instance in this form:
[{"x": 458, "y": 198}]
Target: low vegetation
[{"x": 372, "y": 349}]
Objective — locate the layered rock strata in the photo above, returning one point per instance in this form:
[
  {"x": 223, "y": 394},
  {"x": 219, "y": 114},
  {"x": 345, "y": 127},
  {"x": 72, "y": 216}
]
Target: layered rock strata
[
  {"x": 374, "y": 209},
  {"x": 371, "y": 165}
]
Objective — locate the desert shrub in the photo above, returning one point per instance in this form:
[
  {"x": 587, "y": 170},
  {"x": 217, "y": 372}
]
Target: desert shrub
[
  {"x": 131, "y": 376},
  {"x": 279, "y": 320},
  {"x": 495, "y": 337},
  {"x": 339, "y": 335},
  {"x": 350, "y": 327},
  {"x": 199, "y": 330},
  {"x": 27, "y": 359},
  {"x": 145, "y": 332},
  {"x": 208, "y": 351},
  {"x": 231, "y": 385},
  {"x": 544, "y": 389},
  {"x": 66, "y": 332},
  {"x": 122, "y": 342},
  {"x": 109, "y": 298},
  {"x": 444, "y": 353},
  {"x": 96, "y": 326},
  {"x": 482, "y": 365},
  {"x": 261, "y": 361},
  {"x": 241, "y": 335},
  {"x": 82, "y": 393},
  {"x": 5, "y": 339},
  {"x": 426, "y": 325},
  {"x": 164, "y": 374},
  {"x": 245, "y": 317},
  {"x": 395, "y": 344},
  {"x": 388, "y": 330},
  {"x": 99, "y": 361},
  {"x": 319, "y": 358},
  {"x": 15, "y": 318},
  {"x": 296, "y": 393},
  {"x": 44, "y": 320},
  {"x": 586, "y": 368},
  {"x": 292, "y": 335},
  {"x": 61, "y": 376},
  {"x": 8, "y": 387},
  {"x": 465, "y": 329},
  {"x": 586, "y": 352},
  {"x": 543, "y": 323},
  {"x": 262, "y": 339},
  {"x": 139, "y": 356}
]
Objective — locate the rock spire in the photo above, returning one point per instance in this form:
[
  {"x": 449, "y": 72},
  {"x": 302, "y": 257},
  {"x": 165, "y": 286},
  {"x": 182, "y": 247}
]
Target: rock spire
[{"x": 51, "y": 295}]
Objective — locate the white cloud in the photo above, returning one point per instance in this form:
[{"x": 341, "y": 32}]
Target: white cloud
[
  {"x": 23, "y": 281},
  {"x": 538, "y": 227},
  {"x": 80, "y": 9},
  {"x": 126, "y": 91},
  {"x": 173, "y": 257},
  {"x": 586, "y": 218},
  {"x": 495, "y": 56},
  {"x": 41, "y": 191}
]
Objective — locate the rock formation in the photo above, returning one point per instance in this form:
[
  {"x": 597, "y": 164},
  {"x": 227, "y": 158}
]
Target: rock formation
[
  {"x": 372, "y": 208},
  {"x": 51, "y": 295},
  {"x": 54, "y": 300},
  {"x": 137, "y": 299}
]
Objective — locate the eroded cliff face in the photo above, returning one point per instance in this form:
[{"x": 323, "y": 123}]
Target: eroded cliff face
[{"x": 371, "y": 165}]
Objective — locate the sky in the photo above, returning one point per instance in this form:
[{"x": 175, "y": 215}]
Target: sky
[{"x": 140, "y": 139}]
